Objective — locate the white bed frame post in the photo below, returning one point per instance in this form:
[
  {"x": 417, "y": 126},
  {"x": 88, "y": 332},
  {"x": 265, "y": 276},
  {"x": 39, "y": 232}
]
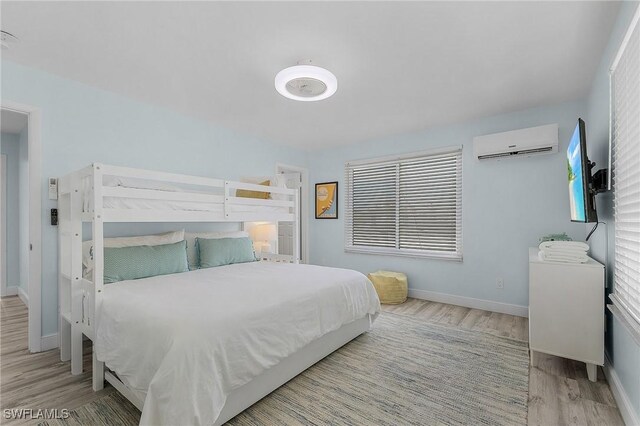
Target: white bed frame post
[
  {"x": 98, "y": 270},
  {"x": 227, "y": 194},
  {"x": 296, "y": 226},
  {"x": 75, "y": 202},
  {"x": 64, "y": 295}
]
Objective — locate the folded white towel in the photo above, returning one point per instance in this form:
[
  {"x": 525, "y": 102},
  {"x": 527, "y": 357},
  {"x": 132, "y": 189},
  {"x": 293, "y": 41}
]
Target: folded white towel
[
  {"x": 563, "y": 252},
  {"x": 564, "y": 245},
  {"x": 563, "y": 258}
]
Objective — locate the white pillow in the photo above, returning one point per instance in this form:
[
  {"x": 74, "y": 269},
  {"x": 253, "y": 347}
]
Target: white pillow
[
  {"x": 192, "y": 255},
  {"x": 142, "y": 240},
  {"x": 279, "y": 181}
]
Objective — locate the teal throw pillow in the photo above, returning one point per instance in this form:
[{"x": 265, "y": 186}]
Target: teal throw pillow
[
  {"x": 131, "y": 263},
  {"x": 224, "y": 251}
]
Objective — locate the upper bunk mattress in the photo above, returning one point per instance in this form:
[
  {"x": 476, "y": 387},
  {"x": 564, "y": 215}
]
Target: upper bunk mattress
[{"x": 184, "y": 342}]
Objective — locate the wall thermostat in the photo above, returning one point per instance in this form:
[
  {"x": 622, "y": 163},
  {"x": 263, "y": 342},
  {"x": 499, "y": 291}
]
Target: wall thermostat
[{"x": 53, "y": 188}]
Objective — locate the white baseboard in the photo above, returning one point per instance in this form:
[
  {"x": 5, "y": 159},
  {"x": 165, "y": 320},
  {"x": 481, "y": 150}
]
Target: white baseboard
[
  {"x": 469, "y": 302},
  {"x": 627, "y": 411},
  {"x": 49, "y": 342},
  {"x": 23, "y": 296},
  {"x": 10, "y": 291}
]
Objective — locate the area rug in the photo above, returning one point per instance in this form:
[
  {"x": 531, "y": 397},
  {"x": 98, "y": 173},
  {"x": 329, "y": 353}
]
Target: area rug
[{"x": 404, "y": 372}]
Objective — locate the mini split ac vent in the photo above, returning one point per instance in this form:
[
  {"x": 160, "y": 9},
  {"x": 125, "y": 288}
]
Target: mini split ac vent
[
  {"x": 523, "y": 152},
  {"x": 524, "y": 142}
]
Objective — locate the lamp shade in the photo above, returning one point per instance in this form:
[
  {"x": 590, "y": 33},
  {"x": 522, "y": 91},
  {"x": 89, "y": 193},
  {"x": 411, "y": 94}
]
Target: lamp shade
[{"x": 265, "y": 232}]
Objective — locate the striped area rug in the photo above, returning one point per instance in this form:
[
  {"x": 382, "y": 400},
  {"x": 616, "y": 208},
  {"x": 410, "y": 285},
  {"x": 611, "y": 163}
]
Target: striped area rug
[{"x": 404, "y": 372}]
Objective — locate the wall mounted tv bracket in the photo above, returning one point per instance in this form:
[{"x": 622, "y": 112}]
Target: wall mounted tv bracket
[{"x": 599, "y": 179}]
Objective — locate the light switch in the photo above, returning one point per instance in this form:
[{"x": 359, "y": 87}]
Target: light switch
[{"x": 53, "y": 188}]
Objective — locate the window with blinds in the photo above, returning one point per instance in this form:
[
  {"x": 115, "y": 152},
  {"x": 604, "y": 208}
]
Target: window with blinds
[
  {"x": 409, "y": 205},
  {"x": 625, "y": 144}
]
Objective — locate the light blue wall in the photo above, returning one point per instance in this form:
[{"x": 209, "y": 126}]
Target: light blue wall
[
  {"x": 81, "y": 125},
  {"x": 623, "y": 351},
  {"x": 507, "y": 206},
  {"x": 11, "y": 148}
]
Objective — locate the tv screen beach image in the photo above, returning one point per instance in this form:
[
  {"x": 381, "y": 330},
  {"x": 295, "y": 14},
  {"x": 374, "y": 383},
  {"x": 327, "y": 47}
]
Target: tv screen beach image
[{"x": 576, "y": 178}]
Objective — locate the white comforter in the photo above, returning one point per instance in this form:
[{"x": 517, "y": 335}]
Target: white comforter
[{"x": 183, "y": 342}]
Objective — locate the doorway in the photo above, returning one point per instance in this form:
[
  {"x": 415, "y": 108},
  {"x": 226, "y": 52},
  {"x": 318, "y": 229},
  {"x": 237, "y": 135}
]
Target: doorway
[
  {"x": 296, "y": 178},
  {"x": 14, "y": 216},
  {"x": 20, "y": 233}
]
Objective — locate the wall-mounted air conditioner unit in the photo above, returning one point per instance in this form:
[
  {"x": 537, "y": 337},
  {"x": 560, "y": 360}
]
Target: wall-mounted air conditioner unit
[{"x": 524, "y": 142}]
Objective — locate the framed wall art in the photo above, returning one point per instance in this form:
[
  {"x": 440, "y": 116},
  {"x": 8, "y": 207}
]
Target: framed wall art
[{"x": 327, "y": 200}]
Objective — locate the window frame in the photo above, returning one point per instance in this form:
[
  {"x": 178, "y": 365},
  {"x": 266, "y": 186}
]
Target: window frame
[
  {"x": 456, "y": 256},
  {"x": 626, "y": 311}
]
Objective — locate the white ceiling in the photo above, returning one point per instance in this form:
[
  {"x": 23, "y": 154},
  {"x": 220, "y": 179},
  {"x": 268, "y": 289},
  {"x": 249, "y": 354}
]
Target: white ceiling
[
  {"x": 12, "y": 122},
  {"x": 401, "y": 66}
]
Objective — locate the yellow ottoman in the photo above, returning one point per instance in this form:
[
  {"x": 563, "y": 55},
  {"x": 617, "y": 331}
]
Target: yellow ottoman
[{"x": 390, "y": 286}]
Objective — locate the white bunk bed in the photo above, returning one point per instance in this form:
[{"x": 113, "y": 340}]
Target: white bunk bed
[{"x": 102, "y": 194}]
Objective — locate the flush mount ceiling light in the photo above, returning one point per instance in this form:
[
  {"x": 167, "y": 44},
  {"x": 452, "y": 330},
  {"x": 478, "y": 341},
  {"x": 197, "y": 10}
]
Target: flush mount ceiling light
[
  {"x": 306, "y": 82},
  {"x": 6, "y": 39}
]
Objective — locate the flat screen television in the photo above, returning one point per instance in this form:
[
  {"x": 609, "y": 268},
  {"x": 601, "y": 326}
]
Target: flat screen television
[{"x": 581, "y": 195}]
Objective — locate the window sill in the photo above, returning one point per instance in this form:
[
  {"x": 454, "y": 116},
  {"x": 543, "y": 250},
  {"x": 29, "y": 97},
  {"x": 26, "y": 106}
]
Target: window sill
[
  {"x": 627, "y": 321},
  {"x": 452, "y": 257}
]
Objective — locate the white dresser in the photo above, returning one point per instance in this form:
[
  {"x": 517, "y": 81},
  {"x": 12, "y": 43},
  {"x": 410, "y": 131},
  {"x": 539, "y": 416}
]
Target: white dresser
[{"x": 566, "y": 310}]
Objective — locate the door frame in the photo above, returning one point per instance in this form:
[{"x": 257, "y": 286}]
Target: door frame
[
  {"x": 34, "y": 146},
  {"x": 304, "y": 210},
  {"x": 3, "y": 225}
]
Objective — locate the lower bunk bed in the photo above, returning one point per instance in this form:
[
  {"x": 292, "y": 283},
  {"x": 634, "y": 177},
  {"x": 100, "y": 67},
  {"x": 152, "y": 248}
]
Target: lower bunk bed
[{"x": 199, "y": 347}]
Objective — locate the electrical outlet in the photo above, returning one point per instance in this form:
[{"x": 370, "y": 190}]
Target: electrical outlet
[{"x": 500, "y": 283}]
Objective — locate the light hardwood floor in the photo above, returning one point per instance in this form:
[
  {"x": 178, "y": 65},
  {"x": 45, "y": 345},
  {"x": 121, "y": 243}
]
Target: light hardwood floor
[
  {"x": 37, "y": 381},
  {"x": 559, "y": 391}
]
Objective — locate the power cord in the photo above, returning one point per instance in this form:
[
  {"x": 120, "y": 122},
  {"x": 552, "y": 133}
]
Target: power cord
[{"x": 594, "y": 229}]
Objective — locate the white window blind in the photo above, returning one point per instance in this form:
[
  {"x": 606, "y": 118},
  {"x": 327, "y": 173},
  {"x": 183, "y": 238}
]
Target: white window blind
[
  {"x": 625, "y": 143},
  {"x": 409, "y": 205}
]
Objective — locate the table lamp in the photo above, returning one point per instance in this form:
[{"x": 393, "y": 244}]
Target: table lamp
[{"x": 263, "y": 234}]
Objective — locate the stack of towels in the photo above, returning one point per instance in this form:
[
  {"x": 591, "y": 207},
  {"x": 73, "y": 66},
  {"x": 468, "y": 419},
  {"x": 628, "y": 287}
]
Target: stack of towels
[{"x": 563, "y": 251}]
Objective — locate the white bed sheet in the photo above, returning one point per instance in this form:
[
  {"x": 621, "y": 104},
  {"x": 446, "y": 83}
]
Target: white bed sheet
[{"x": 183, "y": 342}]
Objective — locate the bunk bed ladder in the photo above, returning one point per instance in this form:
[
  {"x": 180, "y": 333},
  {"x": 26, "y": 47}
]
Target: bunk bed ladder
[{"x": 70, "y": 273}]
